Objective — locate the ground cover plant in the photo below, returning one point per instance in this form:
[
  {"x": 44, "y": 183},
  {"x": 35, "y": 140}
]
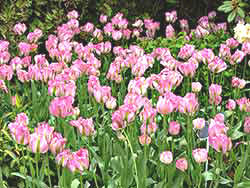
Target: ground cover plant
[{"x": 115, "y": 105}]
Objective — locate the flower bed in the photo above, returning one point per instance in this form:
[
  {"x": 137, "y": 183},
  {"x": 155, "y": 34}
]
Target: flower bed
[{"x": 125, "y": 108}]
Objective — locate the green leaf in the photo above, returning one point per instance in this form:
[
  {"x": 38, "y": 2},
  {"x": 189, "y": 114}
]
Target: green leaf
[
  {"x": 236, "y": 135},
  {"x": 75, "y": 183},
  {"x": 18, "y": 175},
  {"x": 241, "y": 12},
  {"x": 243, "y": 184},
  {"x": 208, "y": 176},
  {"x": 231, "y": 16},
  {"x": 11, "y": 154}
]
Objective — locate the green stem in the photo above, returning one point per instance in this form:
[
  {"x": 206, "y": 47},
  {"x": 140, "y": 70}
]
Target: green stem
[
  {"x": 133, "y": 156},
  {"x": 58, "y": 175},
  {"x": 47, "y": 158},
  {"x": 37, "y": 168},
  {"x": 244, "y": 70}
]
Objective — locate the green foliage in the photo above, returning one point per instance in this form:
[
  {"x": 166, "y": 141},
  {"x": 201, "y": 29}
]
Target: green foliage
[{"x": 234, "y": 8}]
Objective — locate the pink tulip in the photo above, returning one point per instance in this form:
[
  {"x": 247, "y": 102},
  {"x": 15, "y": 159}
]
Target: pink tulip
[
  {"x": 72, "y": 14},
  {"x": 111, "y": 103},
  {"x": 199, "y": 123},
  {"x": 38, "y": 143},
  {"x": 22, "y": 118},
  {"x": 220, "y": 142},
  {"x": 4, "y": 45},
  {"x": 196, "y": 87},
  {"x": 237, "y": 57},
  {"x": 245, "y": 47},
  {"x": 247, "y": 125},
  {"x": 19, "y": 28},
  {"x": 148, "y": 129},
  {"x": 186, "y": 51},
  {"x": 169, "y": 32},
  {"x": 166, "y": 157},
  {"x": 57, "y": 143},
  {"x": 165, "y": 105},
  {"x": 83, "y": 156},
  {"x": 200, "y": 155},
  {"x": 182, "y": 164},
  {"x": 103, "y": 18},
  {"x": 63, "y": 157},
  {"x": 232, "y": 43},
  {"x": 144, "y": 139},
  {"x": 219, "y": 118},
  {"x": 174, "y": 128},
  {"x": 45, "y": 130},
  {"x": 84, "y": 126},
  {"x": 19, "y": 132},
  {"x": 231, "y": 104},
  {"x": 3, "y": 86},
  {"x": 244, "y": 104}
]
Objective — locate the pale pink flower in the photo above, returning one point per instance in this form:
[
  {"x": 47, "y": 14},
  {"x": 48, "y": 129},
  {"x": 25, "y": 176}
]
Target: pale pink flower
[
  {"x": 200, "y": 32},
  {"x": 182, "y": 164},
  {"x": 244, "y": 104},
  {"x": 19, "y": 132},
  {"x": 24, "y": 48},
  {"x": 211, "y": 15},
  {"x": 224, "y": 52},
  {"x": 45, "y": 130},
  {"x": 63, "y": 157},
  {"x": 219, "y": 118},
  {"x": 88, "y": 27},
  {"x": 237, "y": 57},
  {"x": 169, "y": 32},
  {"x": 166, "y": 104},
  {"x": 62, "y": 106},
  {"x": 6, "y": 72},
  {"x": 188, "y": 68},
  {"x": 72, "y": 14},
  {"x": 3, "y": 86},
  {"x": 116, "y": 34},
  {"x": 246, "y": 47},
  {"x": 148, "y": 128},
  {"x": 220, "y": 142},
  {"x": 4, "y": 57},
  {"x": 103, "y": 18},
  {"x": 166, "y": 157},
  {"x": 174, "y": 128},
  {"x": 57, "y": 143},
  {"x": 215, "y": 90},
  {"x": 184, "y": 25},
  {"x": 22, "y": 118},
  {"x": 188, "y": 104},
  {"x": 144, "y": 139},
  {"x": 247, "y": 125},
  {"x": 84, "y": 126},
  {"x": 4, "y": 45},
  {"x": 38, "y": 143},
  {"x": 19, "y": 28},
  {"x": 217, "y": 65},
  {"x": 200, "y": 155},
  {"x": 138, "y": 23},
  {"x": 232, "y": 43},
  {"x": 196, "y": 87},
  {"x": 186, "y": 51},
  {"x": 231, "y": 104},
  {"x": 171, "y": 17},
  {"x": 111, "y": 103},
  {"x": 82, "y": 155},
  {"x": 199, "y": 123},
  {"x": 238, "y": 83}
]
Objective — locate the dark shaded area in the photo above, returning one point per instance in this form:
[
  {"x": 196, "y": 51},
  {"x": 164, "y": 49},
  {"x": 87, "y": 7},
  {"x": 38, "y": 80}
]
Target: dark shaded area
[{"x": 47, "y": 14}]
